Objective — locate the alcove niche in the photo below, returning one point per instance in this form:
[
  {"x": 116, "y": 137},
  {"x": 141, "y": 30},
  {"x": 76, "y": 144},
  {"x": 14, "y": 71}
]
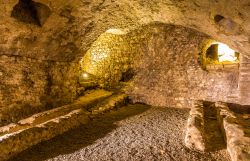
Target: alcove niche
[
  {"x": 217, "y": 55},
  {"x": 31, "y": 12}
]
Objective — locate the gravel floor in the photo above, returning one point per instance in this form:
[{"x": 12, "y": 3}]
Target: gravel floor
[{"x": 132, "y": 133}]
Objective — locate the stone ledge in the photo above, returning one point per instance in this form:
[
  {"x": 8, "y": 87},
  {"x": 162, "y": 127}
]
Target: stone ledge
[
  {"x": 85, "y": 101},
  {"x": 234, "y": 66},
  {"x": 15, "y": 138},
  {"x": 194, "y": 138},
  {"x": 235, "y": 135},
  {"x": 13, "y": 143},
  {"x": 110, "y": 103}
]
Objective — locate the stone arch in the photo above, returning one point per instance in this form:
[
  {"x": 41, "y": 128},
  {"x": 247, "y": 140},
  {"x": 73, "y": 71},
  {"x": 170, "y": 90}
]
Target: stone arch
[{"x": 212, "y": 54}]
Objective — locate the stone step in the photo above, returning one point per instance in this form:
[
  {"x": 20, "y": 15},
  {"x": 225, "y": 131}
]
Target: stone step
[{"x": 15, "y": 138}]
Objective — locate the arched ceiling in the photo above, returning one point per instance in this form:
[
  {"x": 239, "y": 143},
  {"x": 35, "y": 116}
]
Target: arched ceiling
[{"x": 75, "y": 24}]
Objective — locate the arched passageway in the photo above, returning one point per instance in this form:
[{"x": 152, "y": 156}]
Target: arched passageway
[
  {"x": 166, "y": 65},
  {"x": 154, "y": 52}
]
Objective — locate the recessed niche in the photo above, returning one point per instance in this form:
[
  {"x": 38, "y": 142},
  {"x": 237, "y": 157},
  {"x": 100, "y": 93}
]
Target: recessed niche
[
  {"x": 219, "y": 55},
  {"x": 218, "y": 18},
  {"x": 227, "y": 25},
  {"x": 127, "y": 75},
  {"x": 31, "y": 12}
]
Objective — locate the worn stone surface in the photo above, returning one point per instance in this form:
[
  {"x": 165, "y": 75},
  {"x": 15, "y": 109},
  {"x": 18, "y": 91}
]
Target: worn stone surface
[
  {"x": 195, "y": 137},
  {"x": 163, "y": 63},
  {"x": 244, "y": 81},
  {"x": 135, "y": 132},
  {"x": 169, "y": 73},
  {"x": 213, "y": 133},
  {"x": 203, "y": 131},
  {"x": 236, "y": 132},
  {"x": 28, "y": 86},
  {"x": 20, "y": 140},
  {"x": 109, "y": 56},
  {"x": 154, "y": 47},
  {"x": 114, "y": 101},
  {"x": 15, "y": 138},
  {"x": 83, "y": 21},
  {"x": 64, "y": 31}
]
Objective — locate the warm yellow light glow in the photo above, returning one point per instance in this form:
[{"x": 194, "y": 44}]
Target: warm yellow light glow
[
  {"x": 85, "y": 75},
  {"x": 99, "y": 56},
  {"x": 225, "y": 53},
  {"x": 116, "y": 31}
]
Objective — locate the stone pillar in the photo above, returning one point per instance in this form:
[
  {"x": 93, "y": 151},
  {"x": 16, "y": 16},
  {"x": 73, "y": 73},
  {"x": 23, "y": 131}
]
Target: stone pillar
[{"x": 244, "y": 81}]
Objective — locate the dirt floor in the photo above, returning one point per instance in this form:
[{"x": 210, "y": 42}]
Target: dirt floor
[{"x": 132, "y": 133}]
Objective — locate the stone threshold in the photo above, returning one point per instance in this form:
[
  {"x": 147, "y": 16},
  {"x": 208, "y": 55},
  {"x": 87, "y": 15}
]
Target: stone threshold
[{"x": 43, "y": 126}]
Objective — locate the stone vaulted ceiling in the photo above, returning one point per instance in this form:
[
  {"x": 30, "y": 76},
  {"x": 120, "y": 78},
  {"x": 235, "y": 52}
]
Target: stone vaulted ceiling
[{"x": 74, "y": 25}]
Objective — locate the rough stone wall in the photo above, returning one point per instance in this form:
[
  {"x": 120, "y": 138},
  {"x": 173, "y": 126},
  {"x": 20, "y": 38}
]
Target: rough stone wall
[
  {"x": 78, "y": 23},
  {"x": 168, "y": 72},
  {"x": 31, "y": 78},
  {"x": 22, "y": 84},
  {"x": 62, "y": 83},
  {"x": 74, "y": 25},
  {"x": 244, "y": 81},
  {"x": 111, "y": 55},
  {"x": 71, "y": 25},
  {"x": 29, "y": 85},
  {"x": 165, "y": 62}
]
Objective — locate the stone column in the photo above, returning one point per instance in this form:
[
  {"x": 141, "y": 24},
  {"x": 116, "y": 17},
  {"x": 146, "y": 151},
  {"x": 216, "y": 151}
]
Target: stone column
[{"x": 244, "y": 81}]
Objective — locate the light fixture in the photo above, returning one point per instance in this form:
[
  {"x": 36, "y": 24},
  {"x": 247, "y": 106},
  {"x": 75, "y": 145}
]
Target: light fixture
[{"x": 85, "y": 75}]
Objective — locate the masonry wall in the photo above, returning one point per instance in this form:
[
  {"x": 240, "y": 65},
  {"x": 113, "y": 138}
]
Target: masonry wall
[
  {"x": 244, "y": 81},
  {"x": 169, "y": 72},
  {"x": 29, "y": 85},
  {"x": 111, "y": 55},
  {"x": 165, "y": 62}
]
